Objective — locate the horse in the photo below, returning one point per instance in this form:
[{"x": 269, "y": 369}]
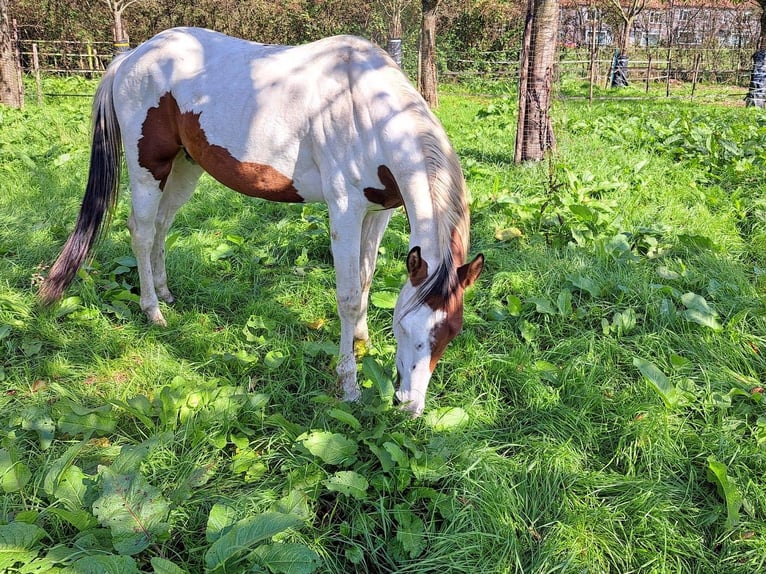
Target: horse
[{"x": 332, "y": 121}]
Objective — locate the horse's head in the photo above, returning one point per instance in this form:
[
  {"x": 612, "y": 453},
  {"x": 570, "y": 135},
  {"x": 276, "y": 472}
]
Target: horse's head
[{"x": 424, "y": 325}]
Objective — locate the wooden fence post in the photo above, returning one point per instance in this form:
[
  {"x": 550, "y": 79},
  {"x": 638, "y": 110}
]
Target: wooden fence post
[
  {"x": 36, "y": 70},
  {"x": 648, "y": 69}
]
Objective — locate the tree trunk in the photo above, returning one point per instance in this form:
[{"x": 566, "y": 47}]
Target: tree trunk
[
  {"x": 121, "y": 41},
  {"x": 428, "y": 76},
  {"x": 756, "y": 93},
  {"x": 536, "y": 135},
  {"x": 620, "y": 62},
  {"x": 395, "y": 38},
  {"x": 11, "y": 88}
]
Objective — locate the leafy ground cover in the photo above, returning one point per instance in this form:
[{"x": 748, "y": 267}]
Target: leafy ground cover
[{"x": 601, "y": 412}]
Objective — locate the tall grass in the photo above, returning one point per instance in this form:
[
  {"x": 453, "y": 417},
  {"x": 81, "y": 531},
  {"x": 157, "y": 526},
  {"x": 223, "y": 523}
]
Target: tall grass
[{"x": 601, "y": 412}]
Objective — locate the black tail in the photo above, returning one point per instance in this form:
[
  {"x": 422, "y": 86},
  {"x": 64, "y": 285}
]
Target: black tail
[{"x": 100, "y": 193}]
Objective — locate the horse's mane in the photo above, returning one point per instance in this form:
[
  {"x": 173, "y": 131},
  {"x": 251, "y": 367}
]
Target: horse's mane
[
  {"x": 448, "y": 193},
  {"x": 447, "y": 189}
]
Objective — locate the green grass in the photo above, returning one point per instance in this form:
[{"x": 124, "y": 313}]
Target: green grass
[{"x": 602, "y": 410}]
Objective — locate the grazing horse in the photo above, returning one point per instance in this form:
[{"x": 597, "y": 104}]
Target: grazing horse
[{"x": 333, "y": 121}]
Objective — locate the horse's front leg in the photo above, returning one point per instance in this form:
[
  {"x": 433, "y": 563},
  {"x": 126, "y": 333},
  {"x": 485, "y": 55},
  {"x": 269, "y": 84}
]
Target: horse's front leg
[
  {"x": 373, "y": 227},
  {"x": 346, "y": 240}
]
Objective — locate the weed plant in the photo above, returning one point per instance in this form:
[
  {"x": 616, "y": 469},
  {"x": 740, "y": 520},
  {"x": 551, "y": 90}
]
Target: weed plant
[{"x": 601, "y": 412}]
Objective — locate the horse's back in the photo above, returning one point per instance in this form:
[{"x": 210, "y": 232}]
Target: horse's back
[{"x": 236, "y": 106}]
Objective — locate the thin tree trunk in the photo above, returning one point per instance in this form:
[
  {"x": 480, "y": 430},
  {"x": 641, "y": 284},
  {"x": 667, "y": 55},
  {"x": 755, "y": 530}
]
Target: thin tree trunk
[
  {"x": 428, "y": 76},
  {"x": 11, "y": 90},
  {"x": 538, "y": 135},
  {"x": 756, "y": 93}
]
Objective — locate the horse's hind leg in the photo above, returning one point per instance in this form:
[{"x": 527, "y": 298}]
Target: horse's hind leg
[
  {"x": 145, "y": 198},
  {"x": 178, "y": 189}
]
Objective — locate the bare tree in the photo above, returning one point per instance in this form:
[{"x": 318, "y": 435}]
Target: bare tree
[
  {"x": 756, "y": 94},
  {"x": 121, "y": 38},
  {"x": 11, "y": 90},
  {"x": 534, "y": 134},
  {"x": 393, "y": 10},
  {"x": 428, "y": 79},
  {"x": 625, "y": 13}
]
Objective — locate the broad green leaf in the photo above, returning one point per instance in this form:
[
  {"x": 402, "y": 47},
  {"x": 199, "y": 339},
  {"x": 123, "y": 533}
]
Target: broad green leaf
[
  {"x": 659, "y": 382},
  {"x": 411, "y": 533},
  {"x": 81, "y": 519},
  {"x": 585, "y": 284},
  {"x": 288, "y": 558},
  {"x": 543, "y": 305},
  {"x": 708, "y": 320},
  {"x": 223, "y": 251},
  {"x": 171, "y": 239},
  {"x": 446, "y": 418},
  {"x": 718, "y": 475},
  {"x": 667, "y": 273},
  {"x": 698, "y": 302},
  {"x": 57, "y": 470},
  {"x": 14, "y": 474},
  {"x": 384, "y": 299},
  {"x": 37, "y": 419},
  {"x": 346, "y": 418},
  {"x": 220, "y": 519},
  {"x": 72, "y": 488},
  {"x": 508, "y": 233},
  {"x": 397, "y": 454},
  {"x": 514, "y": 305},
  {"x": 429, "y": 467},
  {"x": 624, "y": 321},
  {"x": 18, "y": 542},
  {"x": 696, "y": 241},
  {"x": 354, "y": 554},
  {"x": 126, "y": 261},
  {"x": 373, "y": 370},
  {"x": 68, "y": 305},
  {"x": 274, "y": 359},
  {"x": 497, "y": 312},
  {"x": 103, "y": 564},
  {"x": 583, "y": 212},
  {"x": 132, "y": 509},
  {"x": 349, "y": 483},
  {"x": 312, "y": 349},
  {"x": 244, "y": 536},
  {"x": 332, "y": 448},
  {"x": 76, "y": 419},
  {"x": 163, "y": 566}
]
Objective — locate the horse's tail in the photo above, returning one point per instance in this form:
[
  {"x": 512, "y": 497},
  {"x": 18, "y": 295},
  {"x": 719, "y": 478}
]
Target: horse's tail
[{"x": 100, "y": 192}]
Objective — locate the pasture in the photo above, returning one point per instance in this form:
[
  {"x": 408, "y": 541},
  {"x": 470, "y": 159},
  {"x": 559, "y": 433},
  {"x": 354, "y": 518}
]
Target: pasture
[{"x": 602, "y": 410}]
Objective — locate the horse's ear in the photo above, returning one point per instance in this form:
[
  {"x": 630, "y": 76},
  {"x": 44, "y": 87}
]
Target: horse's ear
[
  {"x": 417, "y": 268},
  {"x": 470, "y": 272}
]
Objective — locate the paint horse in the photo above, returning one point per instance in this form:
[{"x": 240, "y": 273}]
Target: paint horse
[{"x": 333, "y": 121}]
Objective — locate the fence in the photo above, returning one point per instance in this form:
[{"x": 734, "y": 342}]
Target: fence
[{"x": 664, "y": 67}]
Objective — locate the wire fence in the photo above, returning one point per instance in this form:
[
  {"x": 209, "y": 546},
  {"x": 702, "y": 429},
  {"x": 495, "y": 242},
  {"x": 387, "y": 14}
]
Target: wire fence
[{"x": 669, "y": 71}]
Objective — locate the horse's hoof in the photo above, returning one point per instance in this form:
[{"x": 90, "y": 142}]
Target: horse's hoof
[
  {"x": 167, "y": 296},
  {"x": 155, "y": 316}
]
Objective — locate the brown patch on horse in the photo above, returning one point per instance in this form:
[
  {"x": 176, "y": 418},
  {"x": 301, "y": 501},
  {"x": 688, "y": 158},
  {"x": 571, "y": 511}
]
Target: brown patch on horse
[
  {"x": 390, "y": 196},
  {"x": 166, "y": 131},
  {"x": 452, "y": 302},
  {"x": 417, "y": 267}
]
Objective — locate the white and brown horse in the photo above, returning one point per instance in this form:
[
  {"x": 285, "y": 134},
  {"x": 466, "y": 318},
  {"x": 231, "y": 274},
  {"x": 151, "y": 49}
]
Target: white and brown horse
[{"x": 333, "y": 121}]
